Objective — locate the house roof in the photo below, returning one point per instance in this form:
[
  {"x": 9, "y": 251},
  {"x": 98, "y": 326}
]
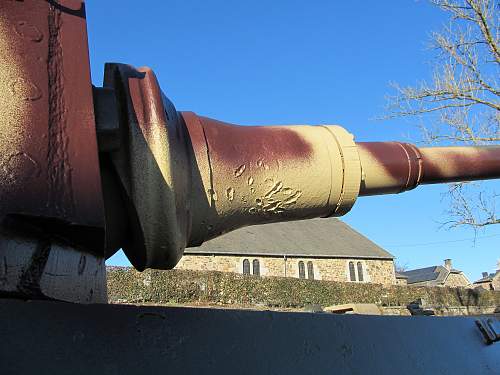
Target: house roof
[
  {"x": 487, "y": 279},
  {"x": 326, "y": 238},
  {"x": 400, "y": 275},
  {"x": 432, "y": 275}
]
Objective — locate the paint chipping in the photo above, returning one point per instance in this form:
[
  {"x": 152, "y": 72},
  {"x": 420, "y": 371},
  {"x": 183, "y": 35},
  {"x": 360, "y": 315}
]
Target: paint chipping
[
  {"x": 213, "y": 194},
  {"x": 269, "y": 181},
  {"x": 28, "y": 31},
  {"x": 292, "y": 199},
  {"x": 25, "y": 89},
  {"x": 230, "y": 194},
  {"x": 262, "y": 164},
  {"x": 239, "y": 171},
  {"x": 250, "y": 180},
  {"x": 275, "y": 189},
  {"x": 271, "y": 206}
]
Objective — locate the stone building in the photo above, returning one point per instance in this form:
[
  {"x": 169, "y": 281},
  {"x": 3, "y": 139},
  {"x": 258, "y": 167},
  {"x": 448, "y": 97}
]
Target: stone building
[
  {"x": 490, "y": 281},
  {"x": 401, "y": 279},
  {"x": 444, "y": 275},
  {"x": 321, "y": 249}
]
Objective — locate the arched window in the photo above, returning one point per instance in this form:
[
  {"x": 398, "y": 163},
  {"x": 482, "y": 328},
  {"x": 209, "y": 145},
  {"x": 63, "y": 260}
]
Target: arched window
[
  {"x": 256, "y": 267},
  {"x": 302, "y": 270},
  {"x": 360, "y": 271},
  {"x": 352, "y": 271},
  {"x": 246, "y": 267},
  {"x": 310, "y": 270}
]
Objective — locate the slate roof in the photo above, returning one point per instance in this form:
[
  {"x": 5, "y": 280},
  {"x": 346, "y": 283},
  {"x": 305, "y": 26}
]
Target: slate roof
[
  {"x": 322, "y": 238},
  {"x": 434, "y": 275}
]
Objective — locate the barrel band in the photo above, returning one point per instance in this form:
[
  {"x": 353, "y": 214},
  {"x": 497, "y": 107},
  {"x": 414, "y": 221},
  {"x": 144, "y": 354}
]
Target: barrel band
[{"x": 351, "y": 171}]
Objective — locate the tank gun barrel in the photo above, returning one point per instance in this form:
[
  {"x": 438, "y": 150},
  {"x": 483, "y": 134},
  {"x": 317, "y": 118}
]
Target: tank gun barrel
[
  {"x": 394, "y": 167},
  {"x": 85, "y": 171},
  {"x": 118, "y": 166},
  {"x": 189, "y": 178}
]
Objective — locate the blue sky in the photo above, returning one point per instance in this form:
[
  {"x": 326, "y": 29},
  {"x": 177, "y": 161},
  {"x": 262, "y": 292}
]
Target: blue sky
[{"x": 298, "y": 62}]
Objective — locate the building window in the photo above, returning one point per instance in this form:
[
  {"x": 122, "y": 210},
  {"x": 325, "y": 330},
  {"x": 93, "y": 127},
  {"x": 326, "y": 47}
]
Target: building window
[
  {"x": 246, "y": 267},
  {"x": 310, "y": 270},
  {"x": 360, "y": 271},
  {"x": 302, "y": 270},
  {"x": 352, "y": 271},
  {"x": 256, "y": 267}
]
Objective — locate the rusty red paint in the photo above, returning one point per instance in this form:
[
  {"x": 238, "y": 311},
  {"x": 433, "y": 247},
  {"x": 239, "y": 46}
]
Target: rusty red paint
[
  {"x": 401, "y": 161},
  {"x": 152, "y": 169},
  {"x": 147, "y": 101},
  {"x": 414, "y": 165},
  {"x": 54, "y": 171},
  {"x": 408, "y": 166},
  {"x": 452, "y": 164},
  {"x": 233, "y": 144},
  {"x": 195, "y": 130}
]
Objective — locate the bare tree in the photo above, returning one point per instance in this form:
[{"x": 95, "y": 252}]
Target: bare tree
[
  {"x": 400, "y": 267},
  {"x": 462, "y": 102}
]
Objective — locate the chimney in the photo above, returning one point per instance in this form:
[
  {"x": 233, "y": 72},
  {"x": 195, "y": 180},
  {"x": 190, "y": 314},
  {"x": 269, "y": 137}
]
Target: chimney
[
  {"x": 447, "y": 264},
  {"x": 485, "y": 274}
]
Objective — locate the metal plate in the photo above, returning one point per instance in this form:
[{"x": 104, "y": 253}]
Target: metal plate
[
  {"x": 49, "y": 167},
  {"x": 58, "y": 338}
]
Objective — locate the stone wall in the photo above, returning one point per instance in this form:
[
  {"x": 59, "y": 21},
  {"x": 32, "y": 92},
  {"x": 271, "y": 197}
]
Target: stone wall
[
  {"x": 492, "y": 284},
  {"x": 441, "y": 310},
  {"x": 456, "y": 280},
  {"x": 496, "y": 281},
  {"x": 216, "y": 288},
  {"x": 401, "y": 281},
  {"x": 374, "y": 271}
]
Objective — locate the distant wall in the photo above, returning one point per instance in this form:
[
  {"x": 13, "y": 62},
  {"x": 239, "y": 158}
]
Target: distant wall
[
  {"x": 333, "y": 269},
  {"x": 401, "y": 281},
  {"x": 442, "y": 310},
  {"x": 192, "y": 287}
]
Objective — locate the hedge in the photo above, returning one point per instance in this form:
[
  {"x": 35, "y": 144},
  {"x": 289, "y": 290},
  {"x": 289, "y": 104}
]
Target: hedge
[{"x": 125, "y": 285}]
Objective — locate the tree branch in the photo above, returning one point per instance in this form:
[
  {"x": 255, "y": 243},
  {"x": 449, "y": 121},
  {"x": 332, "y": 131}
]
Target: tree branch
[{"x": 462, "y": 102}]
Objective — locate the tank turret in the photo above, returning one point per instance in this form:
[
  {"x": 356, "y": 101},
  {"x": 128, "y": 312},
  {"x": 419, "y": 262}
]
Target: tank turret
[
  {"x": 99, "y": 169},
  {"x": 85, "y": 171}
]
